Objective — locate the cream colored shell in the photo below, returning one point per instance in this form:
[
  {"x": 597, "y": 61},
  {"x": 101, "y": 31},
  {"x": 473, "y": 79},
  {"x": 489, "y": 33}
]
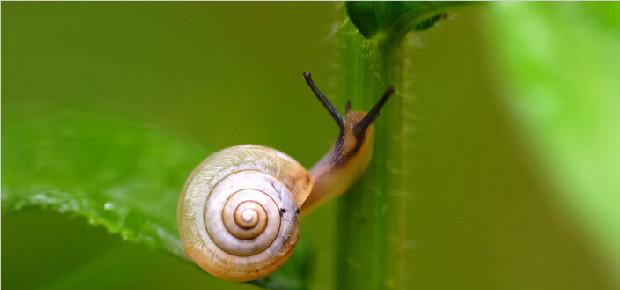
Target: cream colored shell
[{"x": 238, "y": 214}]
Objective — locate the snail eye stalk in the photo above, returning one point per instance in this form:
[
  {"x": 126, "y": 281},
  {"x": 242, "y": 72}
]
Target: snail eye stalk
[
  {"x": 324, "y": 101},
  {"x": 374, "y": 112}
]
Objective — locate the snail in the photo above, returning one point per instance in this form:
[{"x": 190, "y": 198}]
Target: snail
[{"x": 238, "y": 213}]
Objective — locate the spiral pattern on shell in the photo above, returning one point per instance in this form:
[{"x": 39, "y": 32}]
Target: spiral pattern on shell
[{"x": 239, "y": 211}]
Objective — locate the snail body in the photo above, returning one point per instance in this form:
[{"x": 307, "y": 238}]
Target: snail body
[{"x": 238, "y": 214}]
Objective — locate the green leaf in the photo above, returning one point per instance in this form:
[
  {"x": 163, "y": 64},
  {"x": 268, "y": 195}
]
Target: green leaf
[
  {"x": 371, "y": 18},
  {"x": 115, "y": 173},
  {"x": 562, "y": 74}
]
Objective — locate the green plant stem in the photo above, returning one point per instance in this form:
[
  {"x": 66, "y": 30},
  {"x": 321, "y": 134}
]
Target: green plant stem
[
  {"x": 372, "y": 217},
  {"x": 371, "y": 229}
]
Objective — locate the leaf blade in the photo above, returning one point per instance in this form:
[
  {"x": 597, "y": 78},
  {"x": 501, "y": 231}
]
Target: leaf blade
[
  {"x": 115, "y": 173},
  {"x": 118, "y": 174},
  {"x": 372, "y": 18}
]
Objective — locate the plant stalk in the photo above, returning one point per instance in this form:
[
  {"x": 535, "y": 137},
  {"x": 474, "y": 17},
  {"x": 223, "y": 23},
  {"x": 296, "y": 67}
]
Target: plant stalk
[{"x": 372, "y": 215}]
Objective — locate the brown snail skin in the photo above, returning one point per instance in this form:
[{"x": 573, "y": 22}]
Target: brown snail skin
[{"x": 238, "y": 213}]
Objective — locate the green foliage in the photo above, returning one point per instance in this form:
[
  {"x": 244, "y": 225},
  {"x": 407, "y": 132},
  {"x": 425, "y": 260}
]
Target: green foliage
[
  {"x": 395, "y": 17},
  {"x": 562, "y": 73},
  {"x": 115, "y": 173}
]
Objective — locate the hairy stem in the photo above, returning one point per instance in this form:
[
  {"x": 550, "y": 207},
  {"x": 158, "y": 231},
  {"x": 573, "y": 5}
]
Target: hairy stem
[{"x": 372, "y": 215}]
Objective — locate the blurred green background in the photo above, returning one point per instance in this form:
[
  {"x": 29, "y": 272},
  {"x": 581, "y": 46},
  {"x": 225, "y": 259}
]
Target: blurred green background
[{"x": 482, "y": 214}]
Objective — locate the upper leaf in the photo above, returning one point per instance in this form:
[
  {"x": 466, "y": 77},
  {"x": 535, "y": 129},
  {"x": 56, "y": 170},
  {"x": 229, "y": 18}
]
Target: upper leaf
[{"x": 370, "y": 18}]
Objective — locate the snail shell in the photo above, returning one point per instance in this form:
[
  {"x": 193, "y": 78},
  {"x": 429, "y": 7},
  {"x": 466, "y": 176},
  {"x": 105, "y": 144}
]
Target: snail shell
[{"x": 239, "y": 212}]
